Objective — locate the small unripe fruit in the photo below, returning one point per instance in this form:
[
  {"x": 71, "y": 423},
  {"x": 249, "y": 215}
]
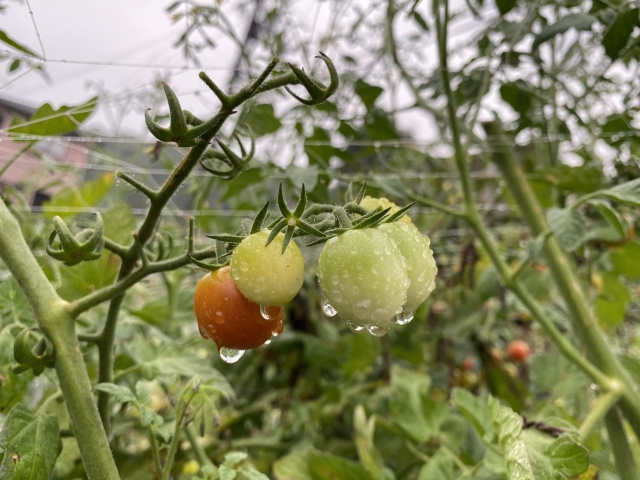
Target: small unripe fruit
[{"x": 518, "y": 351}]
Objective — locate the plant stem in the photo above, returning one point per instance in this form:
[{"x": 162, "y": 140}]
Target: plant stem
[
  {"x": 58, "y": 324},
  {"x": 602, "y": 406},
  {"x": 154, "y": 450},
  {"x": 199, "y": 452},
  {"x": 585, "y": 323},
  {"x": 627, "y": 468}
]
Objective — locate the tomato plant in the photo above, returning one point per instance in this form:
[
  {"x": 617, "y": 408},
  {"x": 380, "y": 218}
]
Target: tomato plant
[{"x": 264, "y": 273}]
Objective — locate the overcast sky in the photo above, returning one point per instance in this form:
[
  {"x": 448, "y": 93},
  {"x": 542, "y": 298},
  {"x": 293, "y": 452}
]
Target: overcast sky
[{"x": 137, "y": 33}]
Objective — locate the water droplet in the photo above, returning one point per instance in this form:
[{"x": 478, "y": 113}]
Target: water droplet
[
  {"x": 404, "y": 318},
  {"x": 219, "y": 317},
  {"x": 374, "y": 270},
  {"x": 335, "y": 279},
  {"x": 328, "y": 310},
  {"x": 424, "y": 254},
  {"x": 378, "y": 330},
  {"x": 387, "y": 250},
  {"x": 231, "y": 355},
  {"x": 264, "y": 313},
  {"x": 267, "y": 342},
  {"x": 354, "y": 327},
  {"x": 204, "y": 333},
  {"x": 244, "y": 266}
]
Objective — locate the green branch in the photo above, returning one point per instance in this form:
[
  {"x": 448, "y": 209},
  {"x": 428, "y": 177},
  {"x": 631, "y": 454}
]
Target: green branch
[{"x": 58, "y": 324}]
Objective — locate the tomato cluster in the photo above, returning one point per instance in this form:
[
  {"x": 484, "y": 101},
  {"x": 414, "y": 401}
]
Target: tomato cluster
[{"x": 371, "y": 277}]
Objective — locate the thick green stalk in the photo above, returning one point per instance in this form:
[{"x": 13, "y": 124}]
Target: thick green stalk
[
  {"x": 585, "y": 323},
  {"x": 627, "y": 468},
  {"x": 603, "y": 404},
  {"x": 58, "y": 324}
]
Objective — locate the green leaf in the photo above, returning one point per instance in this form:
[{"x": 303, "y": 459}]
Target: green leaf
[
  {"x": 516, "y": 94},
  {"x": 612, "y": 301},
  {"x": 262, "y": 120},
  {"x": 439, "y": 467},
  {"x": 30, "y": 443},
  {"x": 579, "y": 21},
  {"x": 364, "y": 351},
  {"x": 568, "y": 457},
  {"x": 568, "y": 226},
  {"x": 628, "y": 192},
  {"x": 79, "y": 199},
  {"x": 4, "y": 38},
  {"x": 367, "y": 93},
  {"x": 227, "y": 473},
  {"x": 119, "y": 224},
  {"x": 611, "y": 215},
  {"x": 473, "y": 409},
  {"x": 619, "y": 31},
  {"x": 390, "y": 184},
  {"x": 624, "y": 260},
  {"x": 118, "y": 392},
  {"x": 369, "y": 456},
  {"x": 234, "y": 458},
  {"x": 143, "y": 393},
  {"x": 46, "y": 121},
  {"x": 314, "y": 465},
  {"x": 406, "y": 405},
  {"x": 299, "y": 175},
  {"x": 86, "y": 277},
  {"x": 241, "y": 182}
]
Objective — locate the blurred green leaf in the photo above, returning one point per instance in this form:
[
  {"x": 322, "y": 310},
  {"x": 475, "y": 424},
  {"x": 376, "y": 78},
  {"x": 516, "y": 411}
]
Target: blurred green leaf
[
  {"x": 241, "y": 182},
  {"x": 611, "y": 303},
  {"x": 568, "y": 226},
  {"x": 70, "y": 201},
  {"x": 579, "y": 21},
  {"x": 619, "y": 31},
  {"x": 262, "y": 120},
  {"x": 31, "y": 444}
]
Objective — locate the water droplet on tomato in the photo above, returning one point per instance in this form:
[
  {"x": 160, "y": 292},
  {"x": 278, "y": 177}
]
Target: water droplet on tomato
[
  {"x": 270, "y": 313},
  {"x": 231, "y": 355},
  {"x": 218, "y": 317},
  {"x": 378, "y": 330},
  {"x": 404, "y": 318},
  {"x": 328, "y": 309},
  {"x": 335, "y": 279},
  {"x": 354, "y": 327},
  {"x": 204, "y": 333},
  {"x": 424, "y": 254},
  {"x": 267, "y": 342}
]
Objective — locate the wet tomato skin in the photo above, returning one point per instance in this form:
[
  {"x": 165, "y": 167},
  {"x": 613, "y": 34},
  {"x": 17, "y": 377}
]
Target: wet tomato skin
[{"x": 228, "y": 317}]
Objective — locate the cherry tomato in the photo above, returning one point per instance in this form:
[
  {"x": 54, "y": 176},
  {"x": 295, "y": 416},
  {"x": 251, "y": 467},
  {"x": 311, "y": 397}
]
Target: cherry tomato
[
  {"x": 371, "y": 203},
  {"x": 228, "y": 317},
  {"x": 518, "y": 351},
  {"x": 362, "y": 275},
  {"x": 265, "y": 275},
  {"x": 421, "y": 267}
]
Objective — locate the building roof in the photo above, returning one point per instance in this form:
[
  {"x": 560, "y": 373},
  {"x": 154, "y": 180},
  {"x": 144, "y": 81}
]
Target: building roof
[{"x": 19, "y": 108}]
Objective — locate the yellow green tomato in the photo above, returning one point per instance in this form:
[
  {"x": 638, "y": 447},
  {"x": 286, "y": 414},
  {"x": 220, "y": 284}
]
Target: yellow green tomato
[
  {"x": 362, "y": 275},
  {"x": 371, "y": 203},
  {"x": 419, "y": 261},
  {"x": 265, "y": 275}
]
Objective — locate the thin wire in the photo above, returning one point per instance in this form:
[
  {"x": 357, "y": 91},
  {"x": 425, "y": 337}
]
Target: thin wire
[
  {"x": 33, "y": 20},
  {"x": 22, "y": 75}
]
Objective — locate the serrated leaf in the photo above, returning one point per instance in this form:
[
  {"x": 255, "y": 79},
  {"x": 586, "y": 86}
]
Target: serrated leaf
[
  {"x": 250, "y": 473},
  {"x": 227, "y": 473},
  {"x": 473, "y": 409},
  {"x": 579, "y": 21},
  {"x": 568, "y": 226},
  {"x": 30, "y": 444},
  {"x": 118, "y": 392},
  {"x": 148, "y": 416},
  {"x": 439, "y": 467}
]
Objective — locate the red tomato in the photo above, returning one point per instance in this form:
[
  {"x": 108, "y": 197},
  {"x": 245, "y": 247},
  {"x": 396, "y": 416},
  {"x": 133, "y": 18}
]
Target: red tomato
[
  {"x": 228, "y": 318},
  {"x": 518, "y": 351}
]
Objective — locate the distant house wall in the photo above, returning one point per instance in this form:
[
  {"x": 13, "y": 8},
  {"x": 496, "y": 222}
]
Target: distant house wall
[{"x": 39, "y": 174}]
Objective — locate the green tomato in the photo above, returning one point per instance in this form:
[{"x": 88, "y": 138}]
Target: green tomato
[
  {"x": 362, "y": 275},
  {"x": 265, "y": 275},
  {"x": 420, "y": 264}
]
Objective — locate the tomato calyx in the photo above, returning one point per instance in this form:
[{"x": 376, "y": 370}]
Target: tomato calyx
[{"x": 85, "y": 246}]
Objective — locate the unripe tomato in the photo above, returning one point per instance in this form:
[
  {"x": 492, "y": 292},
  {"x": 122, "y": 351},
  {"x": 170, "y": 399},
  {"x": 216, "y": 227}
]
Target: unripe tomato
[
  {"x": 228, "y": 317},
  {"x": 362, "y": 274},
  {"x": 518, "y": 351},
  {"x": 371, "y": 203},
  {"x": 265, "y": 275},
  {"x": 421, "y": 267}
]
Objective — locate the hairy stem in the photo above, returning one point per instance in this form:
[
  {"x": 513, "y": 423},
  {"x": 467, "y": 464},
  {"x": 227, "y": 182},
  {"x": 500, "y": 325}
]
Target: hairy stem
[{"x": 58, "y": 324}]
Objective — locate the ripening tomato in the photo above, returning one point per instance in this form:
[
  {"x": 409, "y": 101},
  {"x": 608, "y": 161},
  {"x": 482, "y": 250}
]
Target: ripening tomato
[
  {"x": 371, "y": 203},
  {"x": 265, "y": 275},
  {"x": 228, "y": 317},
  {"x": 421, "y": 267},
  {"x": 362, "y": 275},
  {"x": 518, "y": 351}
]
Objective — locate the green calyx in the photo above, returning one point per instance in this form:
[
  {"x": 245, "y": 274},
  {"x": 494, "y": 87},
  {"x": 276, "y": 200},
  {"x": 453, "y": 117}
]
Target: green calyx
[
  {"x": 85, "y": 246},
  {"x": 232, "y": 163},
  {"x": 317, "y": 90}
]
